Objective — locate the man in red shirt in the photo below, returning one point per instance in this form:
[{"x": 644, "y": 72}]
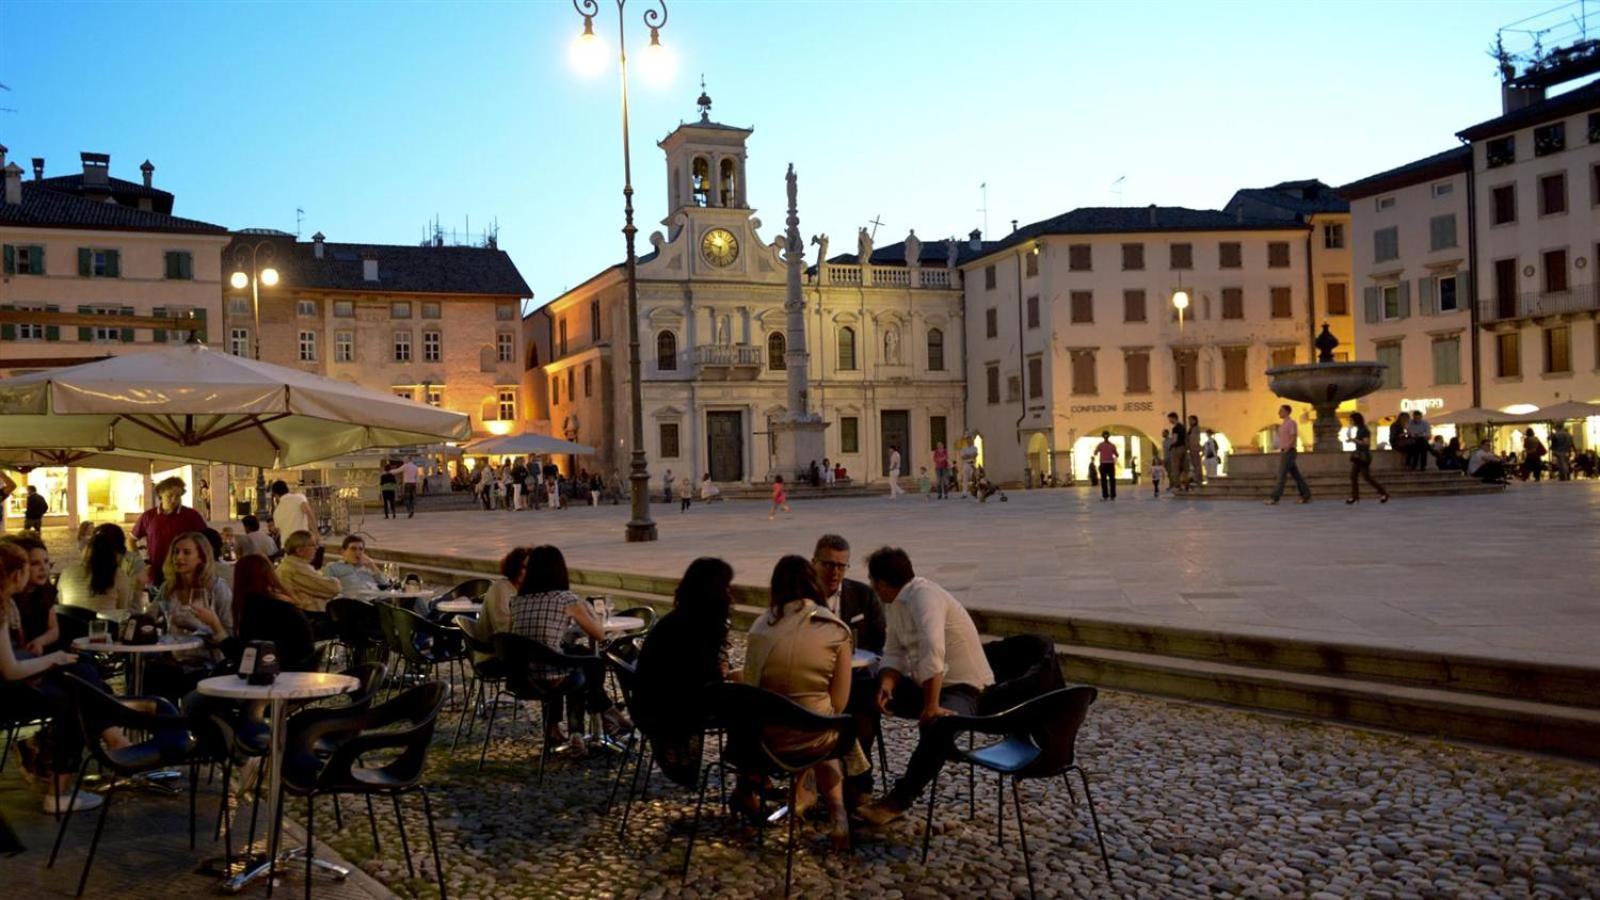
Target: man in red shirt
[
  {"x": 169, "y": 518},
  {"x": 941, "y": 470}
]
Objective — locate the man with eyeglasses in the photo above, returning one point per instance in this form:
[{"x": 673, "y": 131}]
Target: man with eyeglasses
[{"x": 861, "y": 609}]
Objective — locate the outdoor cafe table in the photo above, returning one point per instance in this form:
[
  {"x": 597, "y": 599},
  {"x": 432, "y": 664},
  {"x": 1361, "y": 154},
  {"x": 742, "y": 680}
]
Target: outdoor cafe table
[
  {"x": 286, "y": 687},
  {"x": 460, "y": 605},
  {"x": 861, "y": 659},
  {"x": 136, "y": 654}
]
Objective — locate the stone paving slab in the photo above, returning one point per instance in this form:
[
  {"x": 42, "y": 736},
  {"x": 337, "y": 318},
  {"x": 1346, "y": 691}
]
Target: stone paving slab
[{"x": 1512, "y": 576}]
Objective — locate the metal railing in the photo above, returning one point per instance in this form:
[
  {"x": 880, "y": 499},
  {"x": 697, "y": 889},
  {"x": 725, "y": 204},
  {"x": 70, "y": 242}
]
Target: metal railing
[
  {"x": 728, "y": 355},
  {"x": 1577, "y": 298}
]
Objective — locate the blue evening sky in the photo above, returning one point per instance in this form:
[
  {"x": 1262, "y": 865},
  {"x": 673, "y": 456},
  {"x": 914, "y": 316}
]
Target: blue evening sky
[{"x": 376, "y": 116}]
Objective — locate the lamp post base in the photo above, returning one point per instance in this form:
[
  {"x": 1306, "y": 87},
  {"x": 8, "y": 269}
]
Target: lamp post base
[{"x": 641, "y": 528}]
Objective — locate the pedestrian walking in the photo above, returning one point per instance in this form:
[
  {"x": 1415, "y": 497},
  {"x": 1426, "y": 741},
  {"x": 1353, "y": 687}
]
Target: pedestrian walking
[
  {"x": 1361, "y": 461},
  {"x": 1106, "y": 453},
  {"x": 780, "y": 498},
  {"x": 685, "y": 492},
  {"x": 1211, "y": 454},
  {"x": 666, "y": 485},
  {"x": 1287, "y": 438},
  {"x": 1533, "y": 453},
  {"x": 1191, "y": 445},
  {"x": 34, "y": 510},
  {"x": 1561, "y": 449},
  {"x": 941, "y": 471},
  {"x": 1177, "y": 444},
  {"x": 388, "y": 485},
  {"x": 408, "y": 485},
  {"x": 894, "y": 472},
  {"x": 1158, "y": 471}
]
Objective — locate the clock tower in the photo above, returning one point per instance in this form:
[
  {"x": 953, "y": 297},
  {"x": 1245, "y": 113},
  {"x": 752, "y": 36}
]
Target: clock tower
[{"x": 708, "y": 213}]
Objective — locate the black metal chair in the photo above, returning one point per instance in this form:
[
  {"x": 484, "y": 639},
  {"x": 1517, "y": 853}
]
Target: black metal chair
[
  {"x": 471, "y": 589},
  {"x": 487, "y": 670},
  {"x": 326, "y": 753},
  {"x": 357, "y": 629},
  {"x": 20, "y": 707},
  {"x": 746, "y": 712},
  {"x": 644, "y": 613},
  {"x": 421, "y": 645},
  {"x": 1038, "y": 739},
  {"x": 517, "y": 653},
  {"x": 169, "y": 742}
]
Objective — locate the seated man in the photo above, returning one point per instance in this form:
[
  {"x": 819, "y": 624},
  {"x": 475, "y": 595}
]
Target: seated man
[
  {"x": 862, "y": 611},
  {"x": 254, "y": 540},
  {"x": 311, "y": 589},
  {"x": 356, "y": 571},
  {"x": 933, "y": 666},
  {"x": 1485, "y": 466}
]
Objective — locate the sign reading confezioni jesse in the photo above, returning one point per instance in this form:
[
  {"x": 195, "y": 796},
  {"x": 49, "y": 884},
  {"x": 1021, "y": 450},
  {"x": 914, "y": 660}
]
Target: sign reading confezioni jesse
[{"x": 1128, "y": 406}]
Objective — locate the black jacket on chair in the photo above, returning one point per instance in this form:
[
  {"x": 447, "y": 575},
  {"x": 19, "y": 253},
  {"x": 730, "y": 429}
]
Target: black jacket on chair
[{"x": 861, "y": 609}]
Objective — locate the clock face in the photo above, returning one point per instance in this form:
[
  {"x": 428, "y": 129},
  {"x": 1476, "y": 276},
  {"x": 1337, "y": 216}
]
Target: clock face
[{"x": 719, "y": 247}]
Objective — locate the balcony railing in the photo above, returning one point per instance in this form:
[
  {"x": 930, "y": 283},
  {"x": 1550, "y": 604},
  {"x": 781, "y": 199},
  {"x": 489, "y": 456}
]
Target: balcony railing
[
  {"x": 728, "y": 361},
  {"x": 933, "y": 277},
  {"x": 1578, "y": 298}
]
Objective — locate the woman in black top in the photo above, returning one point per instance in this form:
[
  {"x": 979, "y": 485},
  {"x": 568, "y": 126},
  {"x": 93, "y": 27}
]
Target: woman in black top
[
  {"x": 684, "y": 652},
  {"x": 1361, "y": 460},
  {"x": 387, "y": 486},
  {"x": 264, "y": 611}
]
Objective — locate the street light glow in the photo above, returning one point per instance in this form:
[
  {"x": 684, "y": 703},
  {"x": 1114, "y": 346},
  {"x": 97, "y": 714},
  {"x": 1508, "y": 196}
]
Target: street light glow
[
  {"x": 240, "y": 280},
  {"x": 1180, "y": 299},
  {"x": 657, "y": 62},
  {"x": 588, "y": 52},
  {"x": 269, "y": 276}
]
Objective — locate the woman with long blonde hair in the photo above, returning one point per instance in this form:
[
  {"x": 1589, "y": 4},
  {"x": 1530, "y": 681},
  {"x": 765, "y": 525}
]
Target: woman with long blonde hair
[{"x": 192, "y": 594}]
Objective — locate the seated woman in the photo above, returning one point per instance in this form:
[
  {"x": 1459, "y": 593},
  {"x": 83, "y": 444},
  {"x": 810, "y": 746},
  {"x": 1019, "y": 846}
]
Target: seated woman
[
  {"x": 683, "y": 653},
  {"x": 36, "y": 681},
  {"x": 100, "y": 581},
  {"x": 801, "y": 650},
  {"x": 36, "y": 602},
  {"x": 195, "y": 601},
  {"x": 546, "y": 610},
  {"x": 265, "y": 611}
]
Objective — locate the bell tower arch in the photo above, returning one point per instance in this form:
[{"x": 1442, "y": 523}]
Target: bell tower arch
[{"x": 706, "y": 162}]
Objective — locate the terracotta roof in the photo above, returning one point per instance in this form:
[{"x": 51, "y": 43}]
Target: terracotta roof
[
  {"x": 45, "y": 208},
  {"x": 1450, "y": 162},
  {"x": 402, "y": 268}
]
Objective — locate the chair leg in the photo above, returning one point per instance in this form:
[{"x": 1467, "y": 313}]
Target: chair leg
[
  {"x": 883, "y": 755},
  {"x": 1000, "y": 809},
  {"x": 488, "y": 732},
  {"x": 643, "y": 762},
  {"x": 788, "y": 863},
  {"x": 372, "y": 820},
  {"x": 224, "y": 814},
  {"x": 255, "y": 807},
  {"x": 1022, "y": 834},
  {"x": 311, "y": 838},
  {"x": 405, "y": 848},
  {"x": 972, "y": 782},
  {"x": 433, "y": 839},
  {"x": 694, "y": 823},
  {"x": 274, "y": 839},
  {"x": 544, "y": 745},
  {"x": 622, "y": 766},
  {"x": 61, "y": 831},
  {"x": 94, "y": 843},
  {"x": 927, "y": 831},
  {"x": 463, "y": 718},
  {"x": 1071, "y": 794},
  {"x": 1093, "y": 817},
  {"x": 338, "y": 814},
  {"x": 11, "y": 734},
  {"x": 194, "y": 793}
]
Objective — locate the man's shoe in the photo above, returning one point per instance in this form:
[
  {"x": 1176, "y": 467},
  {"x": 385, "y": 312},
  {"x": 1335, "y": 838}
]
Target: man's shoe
[
  {"x": 615, "y": 722},
  {"x": 880, "y": 813},
  {"x": 1304, "y": 500},
  {"x": 1272, "y": 502},
  {"x": 83, "y": 801}
]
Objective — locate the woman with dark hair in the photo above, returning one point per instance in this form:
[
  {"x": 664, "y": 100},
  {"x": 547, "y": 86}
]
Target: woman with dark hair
[
  {"x": 1361, "y": 461},
  {"x": 683, "y": 653},
  {"x": 801, "y": 650},
  {"x": 99, "y": 581},
  {"x": 264, "y": 610},
  {"x": 546, "y": 610}
]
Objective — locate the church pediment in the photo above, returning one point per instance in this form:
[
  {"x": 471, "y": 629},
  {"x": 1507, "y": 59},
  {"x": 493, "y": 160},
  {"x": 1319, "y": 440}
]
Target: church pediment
[{"x": 668, "y": 412}]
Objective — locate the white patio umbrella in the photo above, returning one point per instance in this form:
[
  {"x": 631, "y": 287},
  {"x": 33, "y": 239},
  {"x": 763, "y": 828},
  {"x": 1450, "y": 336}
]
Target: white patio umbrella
[
  {"x": 523, "y": 444},
  {"x": 1475, "y": 415},
  {"x": 1561, "y": 412},
  {"x": 194, "y": 403},
  {"x": 92, "y": 459}
]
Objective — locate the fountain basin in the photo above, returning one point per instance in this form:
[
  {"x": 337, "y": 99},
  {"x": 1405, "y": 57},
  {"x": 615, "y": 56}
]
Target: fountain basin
[{"x": 1326, "y": 384}]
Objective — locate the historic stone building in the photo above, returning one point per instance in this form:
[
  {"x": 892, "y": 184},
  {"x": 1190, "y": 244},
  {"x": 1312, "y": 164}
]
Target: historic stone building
[{"x": 885, "y": 338}]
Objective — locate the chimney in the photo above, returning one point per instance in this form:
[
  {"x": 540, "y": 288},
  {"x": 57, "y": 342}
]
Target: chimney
[
  {"x": 148, "y": 170},
  {"x": 316, "y": 245},
  {"x": 38, "y": 168},
  {"x": 13, "y": 174},
  {"x": 975, "y": 240},
  {"x": 96, "y": 168},
  {"x": 3, "y": 151},
  {"x": 1152, "y": 215},
  {"x": 1514, "y": 97},
  {"x": 1013, "y": 224},
  {"x": 369, "y": 268}
]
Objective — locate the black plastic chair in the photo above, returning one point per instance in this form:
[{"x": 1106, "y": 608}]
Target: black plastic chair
[
  {"x": 357, "y": 629},
  {"x": 324, "y": 752},
  {"x": 644, "y": 613},
  {"x": 421, "y": 645},
  {"x": 746, "y": 712},
  {"x": 487, "y": 670},
  {"x": 517, "y": 653},
  {"x": 471, "y": 589},
  {"x": 1038, "y": 739},
  {"x": 169, "y": 742}
]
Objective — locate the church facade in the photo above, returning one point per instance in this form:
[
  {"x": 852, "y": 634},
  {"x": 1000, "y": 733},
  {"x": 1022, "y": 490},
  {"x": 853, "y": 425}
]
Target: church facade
[{"x": 884, "y": 333}]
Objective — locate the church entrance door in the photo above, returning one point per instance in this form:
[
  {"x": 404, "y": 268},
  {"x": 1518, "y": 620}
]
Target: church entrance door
[
  {"x": 896, "y": 432},
  {"x": 726, "y": 432}
]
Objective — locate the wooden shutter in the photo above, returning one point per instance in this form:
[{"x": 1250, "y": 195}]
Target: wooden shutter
[
  {"x": 200, "y": 331},
  {"x": 160, "y": 334},
  {"x": 127, "y": 333},
  {"x": 52, "y": 332},
  {"x": 11, "y": 260},
  {"x": 113, "y": 264},
  {"x": 85, "y": 333},
  {"x": 8, "y": 332},
  {"x": 85, "y": 262},
  {"x": 1405, "y": 299},
  {"x": 186, "y": 265},
  {"x": 1370, "y": 299},
  {"x": 1427, "y": 305},
  {"x": 36, "y": 260}
]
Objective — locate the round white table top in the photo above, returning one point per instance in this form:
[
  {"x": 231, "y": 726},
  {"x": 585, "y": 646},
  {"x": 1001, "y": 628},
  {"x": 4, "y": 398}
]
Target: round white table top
[
  {"x": 623, "y": 623},
  {"x": 288, "y": 686},
  {"x": 860, "y": 659},
  {"x": 167, "y": 644},
  {"x": 391, "y": 594},
  {"x": 460, "y": 605}
]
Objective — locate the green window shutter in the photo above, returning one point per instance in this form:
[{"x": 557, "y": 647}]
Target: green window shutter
[
  {"x": 85, "y": 333},
  {"x": 1426, "y": 304},
  {"x": 52, "y": 332},
  {"x": 11, "y": 260},
  {"x": 85, "y": 262},
  {"x": 36, "y": 256},
  {"x": 1405, "y": 299},
  {"x": 127, "y": 333},
  {"x": 113, "y": 264},
  {"x": 8, "y": 332},
  {"x": 200, "y": 332},
  {"x": 1370, "y": 296},
  {"x": 171, "y": 260},
  {"x": 186, "y": 265},
  {"x": 159, "y": 334}
]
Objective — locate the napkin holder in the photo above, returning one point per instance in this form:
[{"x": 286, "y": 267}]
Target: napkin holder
[{"x": 258, "y": 664}]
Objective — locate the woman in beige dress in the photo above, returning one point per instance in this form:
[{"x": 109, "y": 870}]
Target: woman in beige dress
[{"x": 801, "y": 650}]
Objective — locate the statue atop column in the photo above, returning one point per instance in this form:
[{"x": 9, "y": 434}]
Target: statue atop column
[
  {"x": 913, "y": 250},
  {"x": 952, "y": 253},
  {"x": 799, "y": 435},
  {"x": 864, "y": 247}
]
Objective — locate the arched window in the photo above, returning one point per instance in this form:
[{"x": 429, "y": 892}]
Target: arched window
[
  {"x": 777, "y": 346},
  {"x": 847, "y": 349},
  {"x": 700, "y": 175},
  {"x": 730, "y": 179},
  {"x": 935, "y": 350},
  {"x": 667, "y": 351}
]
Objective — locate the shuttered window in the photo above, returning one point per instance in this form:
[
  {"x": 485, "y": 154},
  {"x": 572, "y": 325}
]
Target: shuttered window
[
  {"x": 1182, "y": 256},
  {"x": 1233, "y": 303},
  {"x": 1389, "y": 355},
  {"x": 1508, "y": 355},
  {"x": 1082, "y": 308},
  {"x": 1035, "y": 377},
  {"x": 180, "y": 264},
  {"x": 1338, "y": 299},
  {"x": 1282, "y": 303},
  {"x": 1447, "y": 360},
  {"x": 1234, "y": 366},
  {"x": 991, "y": 376},
  {"x": 1132, "y": 257},
  {"x": 1133, "y": 306},
  {"x": 1442, "y": 232},
  {"x": 1079, "y": 258},
  {"x": 1083, "y": 381},
  {"x": 1386, "y": 244},
  {"x": 1230, "y": 255},
  {"x": 1278, "y": 255},
  {"x": 1137, "y": 376}
]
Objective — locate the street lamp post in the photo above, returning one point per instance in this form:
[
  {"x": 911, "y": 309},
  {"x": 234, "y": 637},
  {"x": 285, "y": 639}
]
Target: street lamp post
[
  {"x": 254, "y": 278},
  {"x": 1180, "y": 301},
  {"x": 640, "y": 526}
]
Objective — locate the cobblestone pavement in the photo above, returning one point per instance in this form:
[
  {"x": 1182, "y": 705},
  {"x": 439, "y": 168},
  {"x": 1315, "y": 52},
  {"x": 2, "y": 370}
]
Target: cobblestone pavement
[
  {"x": 1195, "y": 801},
  {"x": 1513, "y": 575}
]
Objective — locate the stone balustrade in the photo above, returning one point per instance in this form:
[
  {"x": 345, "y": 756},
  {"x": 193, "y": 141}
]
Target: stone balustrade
[{"x": 934, "y": 278}]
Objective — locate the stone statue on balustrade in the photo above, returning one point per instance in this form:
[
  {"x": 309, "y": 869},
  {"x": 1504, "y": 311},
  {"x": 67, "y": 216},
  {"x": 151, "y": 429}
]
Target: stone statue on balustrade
[
  {"x": 913, "y": 250},
  {"x": 820, "y": 241},
  {"x": 952, "y": 253},
  {"x": 864, "y": 247}
]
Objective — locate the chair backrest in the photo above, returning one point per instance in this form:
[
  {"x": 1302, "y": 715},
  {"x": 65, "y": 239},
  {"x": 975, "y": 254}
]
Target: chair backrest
[
  {"x": 403, "y": 629},
  {"x": 98, "y": 710},
  {"x": 1051, "y": 722},
  {"x": 747, "y": 712},
  {"x": 355, "y": 622},
  {"x": 356, "y": 732},
  {"x": 1024, "y": 667},
  {"x": 469, "y": 633},
  {"x": 471, "y": 589},
  {"x": 371, "y": 677},
  {"x": 72, "y": 622}
]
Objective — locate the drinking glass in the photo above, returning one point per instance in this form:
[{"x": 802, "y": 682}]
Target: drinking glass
[{"x": 98, "y": 631}]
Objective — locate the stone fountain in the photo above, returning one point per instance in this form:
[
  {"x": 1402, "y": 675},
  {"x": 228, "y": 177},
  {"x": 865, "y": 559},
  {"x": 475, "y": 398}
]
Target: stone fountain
[{"x": 1325, "y": 384}]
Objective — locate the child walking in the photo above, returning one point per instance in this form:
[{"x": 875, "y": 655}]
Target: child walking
[
  {"x": 1157, "y": 472},
  {"x": 780, "y": 498}
]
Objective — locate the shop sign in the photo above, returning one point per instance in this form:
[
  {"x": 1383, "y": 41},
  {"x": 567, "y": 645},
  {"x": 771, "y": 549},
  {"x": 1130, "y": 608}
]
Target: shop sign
[
  {"x": 1422, "y": 403},
  {"x": 1128, "y": 406}
]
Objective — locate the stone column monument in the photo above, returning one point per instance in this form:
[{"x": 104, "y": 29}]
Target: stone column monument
[{"x": 799, "y": 437}]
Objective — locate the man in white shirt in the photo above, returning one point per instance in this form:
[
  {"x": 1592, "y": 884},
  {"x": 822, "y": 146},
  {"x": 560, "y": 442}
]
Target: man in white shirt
[
  {"x": 291, "y": 511},
  {"x": 408, "y": 487},
  {"x": 933, "y": 666},
  {"x": 254, "y": 540},
  {"x": 894, "y": 473}
]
